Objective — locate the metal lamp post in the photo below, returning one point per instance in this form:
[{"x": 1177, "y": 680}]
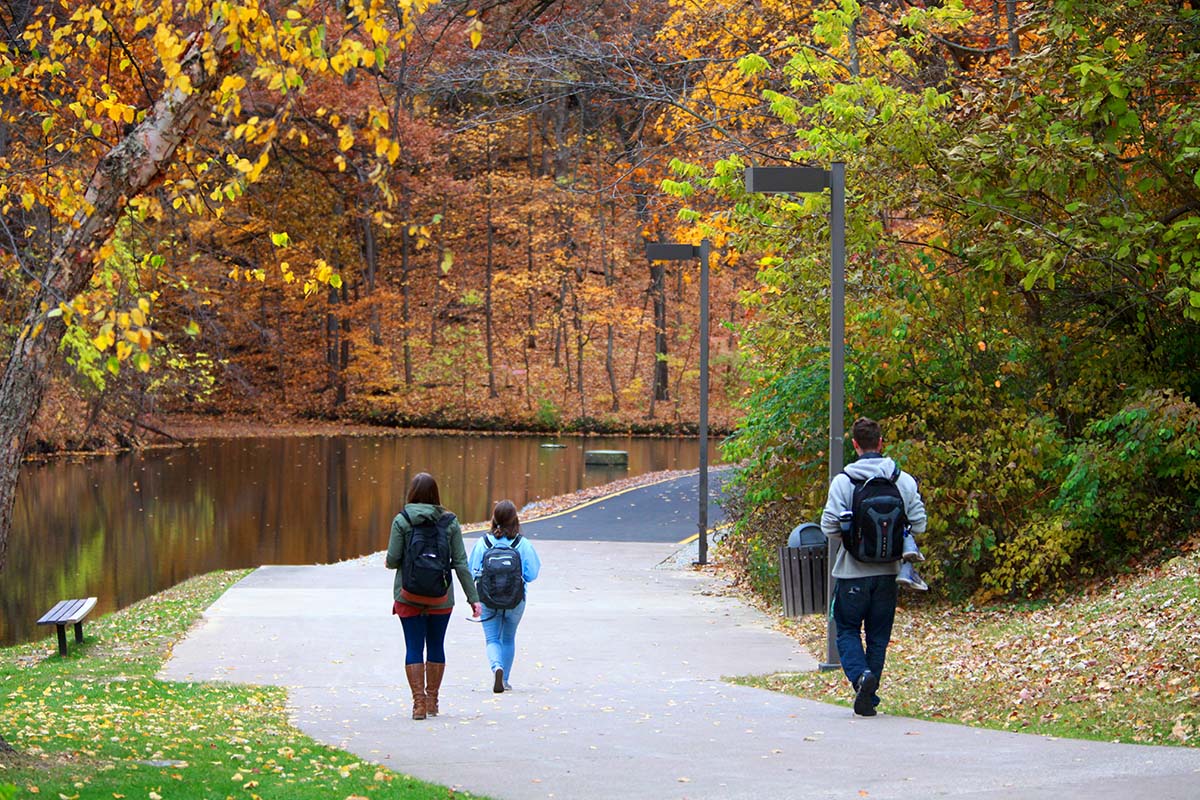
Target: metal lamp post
[
  {"x": 797, "y": 180},
  {"x": 663, "y": 251}
]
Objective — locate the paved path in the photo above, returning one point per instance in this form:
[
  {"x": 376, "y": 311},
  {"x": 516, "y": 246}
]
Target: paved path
[
  {"x": 618, "y": 692},
  {"x": 661, "y": 512}
]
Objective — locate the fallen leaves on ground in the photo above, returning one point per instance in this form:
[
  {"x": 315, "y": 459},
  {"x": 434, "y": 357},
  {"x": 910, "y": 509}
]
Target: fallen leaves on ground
[{"x": 1121, "y": 663}]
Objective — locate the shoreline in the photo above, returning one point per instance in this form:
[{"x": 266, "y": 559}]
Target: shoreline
[{"x": 187, "y": 430}]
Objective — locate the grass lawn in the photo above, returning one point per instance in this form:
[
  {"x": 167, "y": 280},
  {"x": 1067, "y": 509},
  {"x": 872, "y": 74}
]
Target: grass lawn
[
  {"x": 97, "y": 724},
  {"x": 1119, "y": 663}
]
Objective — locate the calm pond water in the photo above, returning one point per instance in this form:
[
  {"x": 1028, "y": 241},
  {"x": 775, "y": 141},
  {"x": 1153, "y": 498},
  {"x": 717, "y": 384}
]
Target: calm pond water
[{"x": 121, "y": 528}]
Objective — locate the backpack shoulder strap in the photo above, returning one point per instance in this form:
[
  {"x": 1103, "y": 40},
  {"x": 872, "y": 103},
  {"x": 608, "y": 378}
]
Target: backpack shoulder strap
[
  {"x": 488, "y": 542},
  {"x": 516, "y": 541},
  {"x": 407, "y": 518},
  {"x": 854, "y": 480},
  {"x": 896, "y": 475}
]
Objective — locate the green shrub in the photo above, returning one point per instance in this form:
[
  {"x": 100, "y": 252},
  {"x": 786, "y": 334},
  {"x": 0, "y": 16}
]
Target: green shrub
[
  {"x": 1130, "y": 483},
  {"x": 547, "y": 415},
  {"x": 981, "y": 489},
  {"x": 760, "y": 529},
  {"x": 1135, "y": 476},
  {"x": 1041, "y": 558}
]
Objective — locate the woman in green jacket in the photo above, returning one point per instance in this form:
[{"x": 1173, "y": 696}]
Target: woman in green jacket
[{"x": 425, "y": 618}]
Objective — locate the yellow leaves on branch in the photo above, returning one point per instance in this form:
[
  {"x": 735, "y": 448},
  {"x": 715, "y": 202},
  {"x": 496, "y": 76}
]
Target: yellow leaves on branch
[
  {"x": 126, "y": 333},
  {"x": 82, "y": 106},
  {"x": 320, "y": 274},
  {"x": 475, "y": 29}
]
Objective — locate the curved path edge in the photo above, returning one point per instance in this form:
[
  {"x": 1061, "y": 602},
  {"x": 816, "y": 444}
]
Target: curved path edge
[{"x": 619, "y": 693}]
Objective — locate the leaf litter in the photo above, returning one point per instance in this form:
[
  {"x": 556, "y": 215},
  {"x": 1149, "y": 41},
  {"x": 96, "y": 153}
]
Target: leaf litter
[{"x": 1119, "y": 662}]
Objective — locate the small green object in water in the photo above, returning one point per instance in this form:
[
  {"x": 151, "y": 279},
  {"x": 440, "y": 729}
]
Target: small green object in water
[{"x": 620, "y": 457}]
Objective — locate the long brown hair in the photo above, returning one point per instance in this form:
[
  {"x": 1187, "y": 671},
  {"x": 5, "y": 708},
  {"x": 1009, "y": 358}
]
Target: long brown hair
[
  {"x": 504, "y": 520},
  {"x": 424, "y": 489}
]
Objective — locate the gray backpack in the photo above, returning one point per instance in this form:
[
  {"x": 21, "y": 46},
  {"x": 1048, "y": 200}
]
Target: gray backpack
[{"x": 878, "y": 520}]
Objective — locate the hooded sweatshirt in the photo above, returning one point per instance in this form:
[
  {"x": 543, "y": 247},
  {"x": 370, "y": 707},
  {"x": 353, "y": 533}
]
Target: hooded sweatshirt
[
  {"x": 398, "y": 546},
  {"x": 841, "y": 494}
]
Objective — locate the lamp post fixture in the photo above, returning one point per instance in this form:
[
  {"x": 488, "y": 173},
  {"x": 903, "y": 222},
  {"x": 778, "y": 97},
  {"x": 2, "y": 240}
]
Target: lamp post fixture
[
  {"x": 663, "y": 251},
  {"x": 797, "y": 180}
]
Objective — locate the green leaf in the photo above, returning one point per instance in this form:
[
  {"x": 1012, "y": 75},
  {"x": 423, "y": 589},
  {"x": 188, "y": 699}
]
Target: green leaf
[
  {"x": 192, "y": 329},
  {"x": 753, "y": 64},
  {"x": 335, "y": 281},
  {"x": 280, "y": 239}
]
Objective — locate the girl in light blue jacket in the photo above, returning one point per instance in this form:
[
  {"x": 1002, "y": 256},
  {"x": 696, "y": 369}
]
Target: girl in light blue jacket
[{"x": 500, "y": 625}]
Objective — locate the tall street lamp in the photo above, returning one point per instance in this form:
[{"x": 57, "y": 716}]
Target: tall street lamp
[
  {"x": 796, "y": 180},
  {"x": 663, "y": 251}
]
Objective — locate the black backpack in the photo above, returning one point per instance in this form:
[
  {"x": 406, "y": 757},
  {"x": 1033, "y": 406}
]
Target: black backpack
[
  {"x": 425, "y": 571},
  {"x": 501, "y": 583},
  {"x": 878, "y": 520}
]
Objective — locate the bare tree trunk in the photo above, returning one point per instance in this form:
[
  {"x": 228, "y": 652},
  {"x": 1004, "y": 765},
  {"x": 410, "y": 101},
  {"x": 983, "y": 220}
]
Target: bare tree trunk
[
  {"x": 487, "y": 288},
  {"x": 530, "y": 296},
  {"x": 679, "y": 299},
  {"x": 731, "y": 340},
  {"x": 405, "y": 295},
  {"x": 852, "y": 40},
  {"x": 659, "y": 293},
  {"x": 562, "y": 300},
  {"x": 580, "y": 340},
  {"x": 371, "y": 260},
  {"x": 531, "y": 322},
  {"x": 124, "y": 172},
  {"x": 1014, "y": 38},
  {"x": 609, "y": 281},
  {"x": 403, "y": 97},
  {"x": 277, "y": 345},
  {"x": 637, "y": 347},
  {"x": 437, "y": 278},
  {"x": 331, "y": 339},
  {"x": 344, "y": 356}
]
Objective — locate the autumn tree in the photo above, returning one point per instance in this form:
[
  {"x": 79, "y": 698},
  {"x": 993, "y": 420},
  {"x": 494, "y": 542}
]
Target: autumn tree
[
  {"x": 101, "y": 102},
  {"x": 1021, "y": 210}
]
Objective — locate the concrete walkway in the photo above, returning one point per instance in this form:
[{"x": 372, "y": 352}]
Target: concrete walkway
[{"x": 618, "y": 694}]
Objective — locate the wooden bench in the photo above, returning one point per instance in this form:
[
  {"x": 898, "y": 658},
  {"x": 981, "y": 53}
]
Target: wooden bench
[{"x": 68, "y": 612}]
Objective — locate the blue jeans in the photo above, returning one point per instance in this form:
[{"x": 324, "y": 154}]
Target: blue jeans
[
  {"x": 423, "y": 633},
  {"x": 500, "y": 632},
  {"x": 863, "y": 605}
]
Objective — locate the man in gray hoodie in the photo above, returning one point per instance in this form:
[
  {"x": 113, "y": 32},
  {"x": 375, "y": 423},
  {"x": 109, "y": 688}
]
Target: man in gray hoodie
[{"x": 864, "y": 594}]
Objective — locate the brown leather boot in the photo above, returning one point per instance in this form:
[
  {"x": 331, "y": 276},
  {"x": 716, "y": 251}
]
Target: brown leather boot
[
  {"x": 433, "y": 682},
  {"x": 416, "y": 682}
]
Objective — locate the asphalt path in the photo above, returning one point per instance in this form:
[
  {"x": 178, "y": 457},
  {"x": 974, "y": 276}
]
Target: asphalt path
[
  {"x": 668, "y": 511},
  {"x": 619, "y": 688}
]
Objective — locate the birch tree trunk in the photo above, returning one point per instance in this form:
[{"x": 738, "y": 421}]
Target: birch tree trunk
[{"x": 130, "y": 167}]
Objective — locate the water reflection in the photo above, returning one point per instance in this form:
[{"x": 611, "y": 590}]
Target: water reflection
[{"x": 124, "y": 527}]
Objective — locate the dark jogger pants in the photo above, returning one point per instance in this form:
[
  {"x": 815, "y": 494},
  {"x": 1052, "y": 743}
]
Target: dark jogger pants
[{"x": 863, "y": 605}]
